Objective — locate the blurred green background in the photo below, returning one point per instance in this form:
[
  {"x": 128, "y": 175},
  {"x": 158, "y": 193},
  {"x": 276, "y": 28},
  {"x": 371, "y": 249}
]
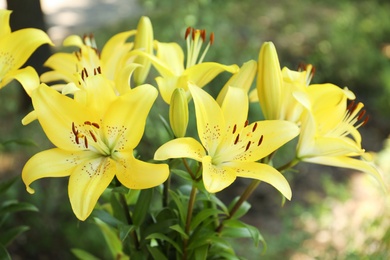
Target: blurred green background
[{"x": 349, "y": 44}]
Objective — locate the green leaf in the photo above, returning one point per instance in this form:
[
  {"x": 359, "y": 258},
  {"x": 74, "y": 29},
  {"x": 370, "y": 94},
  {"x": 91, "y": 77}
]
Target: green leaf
[
  {"x": 132, "y": 196},
  {"x": 182, "y": 174},
  {"x": 6, "y": 237},
  {"x": 124, "y": 231},
  {"x": 117, "y": 207},
  {"x": 4, "y": 253},
  {"x": 201, "y": 252},
  {"x": 112, "y": 239},
  {"x": 242, "y": 210},
  {"x": 212, "y": 198},
  {"x": 165, "y": 238},
  {"x": 167, "y": 127},
  {"x": 203, "y": 215},
  {"x": 5, "y": 185},
  {"x": 15, "y": 206},
  {"x": 180, "y": 230},
  {"x": 106, "y": 217},
  {"x": 83, "y": 255},
  {"x": 156, "y": 253},
  {"x": 180, "y": 205},
  {"x": 142, "y": 206}
]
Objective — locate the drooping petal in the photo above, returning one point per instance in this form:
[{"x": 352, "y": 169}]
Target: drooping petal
[
  {"x": 51, "y": 163},
  {"x": 88, "y": 181},
  {"x": 27, "y": 77},
  {"x": 136, "y": 174},
  {"x": 122, "y": 80},
  {"x": 57, "y": 113},
  {"x": 216, "y": 178},
  {"x": 5, "y": 29},
  {"x": 262, "y": 172},
  {"x": 126, "y": 117},
  {"x": 202, "y": 73},
  {"x": 209, "y": 118},
  {"x": 349, "y": 163},
  {"x": 19, "y": 45},
  {"x": 185, "y": 147}
]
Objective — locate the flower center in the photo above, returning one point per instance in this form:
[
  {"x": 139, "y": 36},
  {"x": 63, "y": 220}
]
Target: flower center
[
  {"x": 194, "y": 45},
  {"x": 88, "y": 136}
]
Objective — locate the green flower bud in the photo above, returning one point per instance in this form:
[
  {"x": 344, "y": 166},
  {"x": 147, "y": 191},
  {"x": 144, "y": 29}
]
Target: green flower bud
[
  {"x": 144, "y": 42},
  {"x": 178, "y": 112}
]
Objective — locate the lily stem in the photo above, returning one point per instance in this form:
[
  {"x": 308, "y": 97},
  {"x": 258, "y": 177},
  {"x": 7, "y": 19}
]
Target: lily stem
[
  {"x": 129, "y": 220},
  {"x": 244, "y": 196},
  {"x": 288, "y": 165},
  {"x": 191, "y": 203}
]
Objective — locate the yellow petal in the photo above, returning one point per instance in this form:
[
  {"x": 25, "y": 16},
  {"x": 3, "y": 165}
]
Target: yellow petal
[
  {"x": 216, "y": 178},
  {"x": 144, "y": 42},
  {"x": 349, "y": 163},
  {"x": 50, "y": 163},
  {"x": 19, "y": 46},
  {"x": 128, "y": 114},
  {"x": 87, "y": 183},
  {"x": 29, "y": 118},
  {"x": 185, "y": 147},
  {"x": 235, "y": 114},
  {"x": 64, "y": 66},
  {"x": 27, "y": 77},
  {"x": 202, "y": 73},
  {"x": 99, "y": 93},
  {"x": 4, "y": 22},
  {"x": 136, "y": 174},
  {"x": 209, "y": 119},
  {"x": 122, "y": 81},
  {"x": 242, "y": 79},
  {"x": 166, "y": 87},
  {"x": 73, "y": 40},
  {"x": 269, "y": 81},
  {"x": 262, "y": 172},
  {"x": 56, "y": 114},
  {"x": 171, "y": 56}
]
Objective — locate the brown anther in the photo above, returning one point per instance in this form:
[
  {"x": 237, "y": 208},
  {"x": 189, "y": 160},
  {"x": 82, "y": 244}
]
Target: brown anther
[
  {"x": 254, "y": 127},
  {"x": 237, "y": 138},
  {"x": 361, "y": 114},
  {"x": 234, "y": 128},
  {"x": 211, "y": 38},
  {"x": 260, "y": 140},
  {"x": 350, "y": 106},
  {"x": 203, "y": 35},
  {"x": 246, "y": 123},
  {"x": 365, "y": 120},
  {"x": 247, "y": 146},
  {"x": 74, "y": 129},
  {"x": 93, "y": 136},
  {"x": 86, "y": 72},
  {"x": 193, "y": 31},
  {"x": 76, "y": 139},
  {"x": 96, "y": 125},
  {"x": 188, "y": 31},
  {"x": 99, "y": 70},
  {"x": 85, "y": 142},
  {"x": 87, "y": 123}
]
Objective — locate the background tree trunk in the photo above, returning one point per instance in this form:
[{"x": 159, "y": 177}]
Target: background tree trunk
[{"x": 28, "y": 13}]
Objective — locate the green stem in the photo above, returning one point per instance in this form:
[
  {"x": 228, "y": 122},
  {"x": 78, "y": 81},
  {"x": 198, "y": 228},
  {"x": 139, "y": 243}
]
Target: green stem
[
  {"x": 129, "y": 219},
  {"x": 244, "y": 196},
  {"x": 188, "y": 169},
  {"x": 191, "y": 203},
  {"x": 288, "y": 165},
  {"x": 165, "y": 196}
]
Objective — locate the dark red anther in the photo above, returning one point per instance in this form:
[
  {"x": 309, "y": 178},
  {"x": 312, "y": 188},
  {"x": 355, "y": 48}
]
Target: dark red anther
[
  {"x": 99, "y": 70},
  {"x": 85, "y": 142},
  {"x": 93, "y": 136},
  {"x": 203, "y": 35},
  {"x": 254, "y": 127},
  {"x": 246, "y": 123},
  {"x": 237, "y": 138},
  {"x": 365, "y": 120},
  {"x": 76, "y": 139},
  {"x": 247, "y": 146},
  {"x": 260, "y": 140},
  {"x": 74, "y": 129},
  {"x": 96, "y": 125},
  {"x": 211, "y": 38},
  {"x": 234, "y": 128},
  {"x": 361, "y": 114},
  {"x": 87, "y": 123},
  {"x": 351, "y": 105},
  {"x": 188, "y": 31}
]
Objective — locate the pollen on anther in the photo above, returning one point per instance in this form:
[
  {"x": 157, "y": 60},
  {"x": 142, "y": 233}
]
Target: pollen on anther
[
  {"x": 74, "y": 129},
  {"x": 203, "y": 35},
  {"x": 85, "y": 142},
  {"x": 211, "y": 38},
  {"x": 87, "y": 123},
  {"x": 93, "y": 136},
  {"x": 260, "y": 140}
]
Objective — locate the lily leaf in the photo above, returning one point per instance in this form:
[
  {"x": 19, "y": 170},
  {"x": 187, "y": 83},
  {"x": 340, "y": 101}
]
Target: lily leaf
[
  {"x": 9, "y": 235},
  {"x": 243, "y": 209},
  {"x": 4, "y": 253},
  {"x": 142, "y": 206},
  {"x": 83, "y": 255}
]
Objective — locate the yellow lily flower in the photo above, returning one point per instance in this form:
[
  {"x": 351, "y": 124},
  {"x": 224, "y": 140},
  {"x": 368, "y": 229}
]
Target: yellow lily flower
[
  {"x": 169, "y": 62},
  {"x": 276, "y": 88},
  {"x": 229, "y": 147},
  {"x": 329, "y": 130},
  {"x": 15, "y": 48},
  {"x": 93, "y": 145}
]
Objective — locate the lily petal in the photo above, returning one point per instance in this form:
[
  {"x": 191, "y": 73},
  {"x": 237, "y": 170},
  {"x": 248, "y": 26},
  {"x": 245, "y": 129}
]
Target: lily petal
[
  {"x": 50, "y": 163},
  {"x": 209, "y": 118},
  {"x": 185, "y": 147},
  {"x": 262, "y": 172},
  {"x": 235, "y": 114},
  {"x": 27, "y": 77},
  {"x": 88, "y": 181},
  {"x": 5, "y": 29},
  {"x": 216, "y": 178},
  {"x": 136, "y": 174}
]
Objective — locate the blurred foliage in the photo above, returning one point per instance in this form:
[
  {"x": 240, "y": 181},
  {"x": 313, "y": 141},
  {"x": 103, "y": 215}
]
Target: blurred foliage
[{"x": 347, "y": 41}]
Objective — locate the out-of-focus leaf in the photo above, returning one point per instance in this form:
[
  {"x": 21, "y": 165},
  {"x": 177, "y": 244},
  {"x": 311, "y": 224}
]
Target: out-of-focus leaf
[
  {"x": 202, "y": 215},
  {"x": 4, "y": 253},
  {"x": 180, "y": 204},
  {"x": 83, "y": 255},
  {"x": 117, "y": 207},
  {"x": 201, "y": 252},
  {"x": 5, "y": 185},
  {"x": 213, "y": 199},
  {"x": 112, "y": 239},
  {"x": 182, "y": 174},
  {"x": 156, "y": 253},
  {"x": 106, "y": 217},
  {"x": 180, "y": 230},
  {"x": 15, "y": 206},
  {"x": 124, "y": 231},
  {"x": 132, "y": 196},
  {"x": 142, "y": 206},
  {"x": 165, "y": 238},
  {"x": 7, "y": 236},
  {"x": 242, "y": 210}
]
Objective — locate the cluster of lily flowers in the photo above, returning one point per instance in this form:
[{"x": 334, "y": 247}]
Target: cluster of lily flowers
[{"x": 96, "y": 110}]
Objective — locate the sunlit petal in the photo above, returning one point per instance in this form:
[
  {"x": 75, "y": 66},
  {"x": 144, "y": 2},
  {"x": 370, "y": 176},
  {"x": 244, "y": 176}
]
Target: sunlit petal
[
  {"x": 262, "y": 172},
  {"x": 27, "y": 77},
  {"x": 185, "y": 147},
  {"x": 235, "y": 114},
  {"x": 5, "y": 29},
  {"x": 216, "y": 178}
]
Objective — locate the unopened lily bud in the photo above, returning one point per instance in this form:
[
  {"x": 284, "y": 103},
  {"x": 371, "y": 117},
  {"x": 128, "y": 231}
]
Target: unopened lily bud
[
  {"x": 242, "y": 79},
  {"x": 269, "y": 81},
  {"x": 144, "y": 42},
  {"x": 178, "y": 112}
]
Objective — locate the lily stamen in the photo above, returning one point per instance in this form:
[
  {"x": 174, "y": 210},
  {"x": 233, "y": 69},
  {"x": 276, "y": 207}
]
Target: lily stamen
[{"x": 194, "y": 45}]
